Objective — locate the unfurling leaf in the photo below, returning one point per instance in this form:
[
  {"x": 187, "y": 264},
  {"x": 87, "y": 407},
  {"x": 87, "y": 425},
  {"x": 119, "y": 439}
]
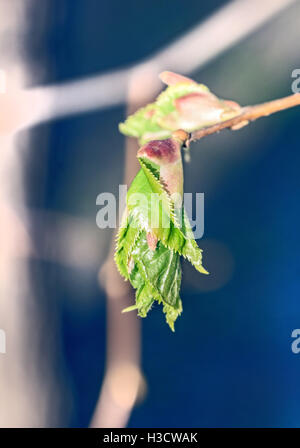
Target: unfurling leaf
[
  {"x": 183, "y": 105},
  {"x": 156, "y": 232}
]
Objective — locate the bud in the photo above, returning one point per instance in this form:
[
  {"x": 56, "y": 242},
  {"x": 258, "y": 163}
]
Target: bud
[
  {"x": 166, "y": 154},
  {"x": 197, "y": 110},
  {"x": 171, "y": 79}
]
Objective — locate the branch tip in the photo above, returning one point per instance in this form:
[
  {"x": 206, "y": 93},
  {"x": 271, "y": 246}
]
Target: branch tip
[{"x": 248, "y": 114}]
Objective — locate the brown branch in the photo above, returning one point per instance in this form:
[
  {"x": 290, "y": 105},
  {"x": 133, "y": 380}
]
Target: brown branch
[
  {"x": 248, "y": 113},
  {"x": 123, "y": 379}
]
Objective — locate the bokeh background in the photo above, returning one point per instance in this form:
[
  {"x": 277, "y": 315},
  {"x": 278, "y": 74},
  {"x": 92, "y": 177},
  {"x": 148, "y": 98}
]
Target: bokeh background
[{"x": 229, "y": 363}]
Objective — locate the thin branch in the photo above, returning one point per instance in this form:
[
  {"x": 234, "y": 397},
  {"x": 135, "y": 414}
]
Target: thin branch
[{"x": 248, "y": 113}]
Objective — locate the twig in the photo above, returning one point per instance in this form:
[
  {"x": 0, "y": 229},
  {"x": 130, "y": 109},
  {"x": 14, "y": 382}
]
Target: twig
[
  {"x": 248, "y": 113},
  {"x": 123, "y": 378}
]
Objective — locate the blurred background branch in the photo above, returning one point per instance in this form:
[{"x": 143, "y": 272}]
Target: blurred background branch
[
  {"x": 28, "y": 386},
  {"x": 123, "y": 382}
]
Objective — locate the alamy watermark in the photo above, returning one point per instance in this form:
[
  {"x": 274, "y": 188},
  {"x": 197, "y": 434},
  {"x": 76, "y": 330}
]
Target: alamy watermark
[
  {"x": 2, "y": 341},
  {"x": 295, "y": 346},
  {"x": 296, "y": 83},
  {"x": 151, "y": 206}
]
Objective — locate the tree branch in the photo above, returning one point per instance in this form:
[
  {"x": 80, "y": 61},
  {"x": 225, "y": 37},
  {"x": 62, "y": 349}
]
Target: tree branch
[{"x": 248, "y": 113}]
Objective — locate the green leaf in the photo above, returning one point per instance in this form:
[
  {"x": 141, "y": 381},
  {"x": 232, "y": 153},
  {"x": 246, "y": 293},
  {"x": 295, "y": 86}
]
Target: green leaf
[
  {"x": 155, "y": 274},
  {"x": 157, "y": 277},
  {"x": 127, "y": 236},
  {"x": 161, "y": 268},
  {"x": 174, "y": 231},
  {"x": 151, "y": 211},
  {"x": 140, "y": 123}
]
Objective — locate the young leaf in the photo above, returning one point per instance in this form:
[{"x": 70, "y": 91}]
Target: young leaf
[
  {"x": 183, "y": 105},
  {"x": 155, "y": 231}
]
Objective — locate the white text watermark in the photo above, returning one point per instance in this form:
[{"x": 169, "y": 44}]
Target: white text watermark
[
  {"x": 295, "y": 346},
  {"x": 153, "y": 206},
  {"x": 296, "y": 83}
]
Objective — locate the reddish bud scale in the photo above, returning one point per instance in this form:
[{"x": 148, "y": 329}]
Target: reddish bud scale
[
  {"x": 161, "y": 151},
  {"x": 171, "y": 79},
  {"x": 167, "y": 155}
]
